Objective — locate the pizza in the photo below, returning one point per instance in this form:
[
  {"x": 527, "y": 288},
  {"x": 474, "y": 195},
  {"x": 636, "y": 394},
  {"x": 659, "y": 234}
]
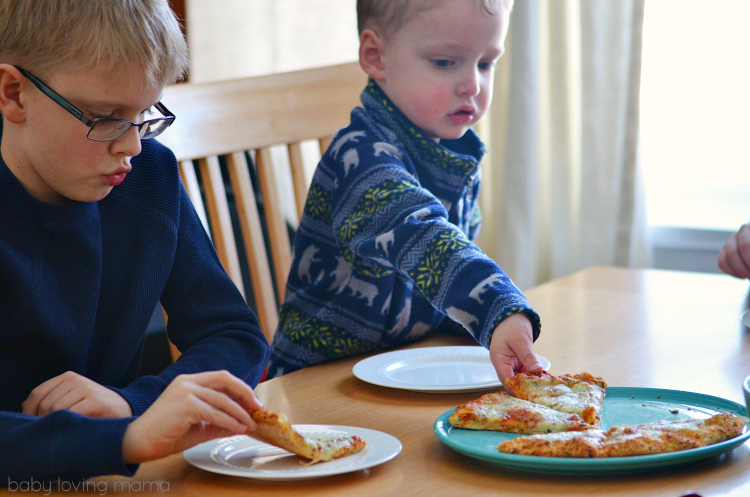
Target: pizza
[
  {"x": 581, "y": 394},
  {"x": 625, "y": 440},
  {"x": 502, "y": 412},
  {"x": 274, "y": 428},
  {"x": 563, "y": 444},
  {"x": 562, "y": 417}
]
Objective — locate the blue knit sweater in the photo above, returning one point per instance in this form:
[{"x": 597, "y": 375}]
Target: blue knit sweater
[
  {"x": 384, "y": 249},
  {"x": 78, "y": 285}
]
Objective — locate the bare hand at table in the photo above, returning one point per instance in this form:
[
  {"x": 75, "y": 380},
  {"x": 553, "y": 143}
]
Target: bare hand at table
[
  {"x": 193, "y": 409},
  {"x": 511, "y": 347},
  {"x": 76, "y": 393},
  {"x": 734, "y": 256}
]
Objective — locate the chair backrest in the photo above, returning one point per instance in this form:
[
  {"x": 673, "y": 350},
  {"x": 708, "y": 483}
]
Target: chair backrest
[{"x": 226, "y": 139}]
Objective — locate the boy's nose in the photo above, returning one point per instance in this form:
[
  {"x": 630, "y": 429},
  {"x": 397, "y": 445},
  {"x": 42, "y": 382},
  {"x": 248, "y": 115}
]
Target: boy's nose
[
  {"x": 129, "y": 144},
  {"x": 469, "y": 84}
]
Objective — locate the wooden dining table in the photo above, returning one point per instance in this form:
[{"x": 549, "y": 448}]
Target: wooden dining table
[{"x": 634, "y": 328}]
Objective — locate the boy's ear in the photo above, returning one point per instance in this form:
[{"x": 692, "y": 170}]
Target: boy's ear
[
  {"x": 371, "y": 54},
  {"x": 10, "y": 94}
]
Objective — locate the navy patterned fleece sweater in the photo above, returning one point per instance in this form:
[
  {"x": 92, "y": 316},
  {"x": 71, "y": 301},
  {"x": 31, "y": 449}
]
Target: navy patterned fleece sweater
[{"x": 384, "y": 251}]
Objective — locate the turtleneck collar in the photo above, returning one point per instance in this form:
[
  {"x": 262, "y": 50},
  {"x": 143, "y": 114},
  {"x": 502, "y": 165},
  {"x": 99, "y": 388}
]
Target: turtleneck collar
[{"x": 459, "y": 157}]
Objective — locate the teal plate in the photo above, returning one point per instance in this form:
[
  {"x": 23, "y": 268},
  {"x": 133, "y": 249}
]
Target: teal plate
[{"x": 622, "y": 405}]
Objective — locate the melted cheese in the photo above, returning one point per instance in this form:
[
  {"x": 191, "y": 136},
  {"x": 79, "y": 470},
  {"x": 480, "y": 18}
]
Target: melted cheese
[
  {"x": 501, "y": 412},
  {"x": 581, "y": 394}
]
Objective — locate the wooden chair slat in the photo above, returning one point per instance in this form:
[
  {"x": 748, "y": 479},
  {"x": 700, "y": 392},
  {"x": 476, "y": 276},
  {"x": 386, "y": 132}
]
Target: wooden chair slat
[
  {"x": 229, "y": 119},
  {"x": 220, "y": 219},
  {"x": 278, "y": 234},
  {"x": 324, "y": 144},
  {"x": 299, "y": 180},
  {"x": 190, "y": 180},
  {"x": 255, "y": 249}
]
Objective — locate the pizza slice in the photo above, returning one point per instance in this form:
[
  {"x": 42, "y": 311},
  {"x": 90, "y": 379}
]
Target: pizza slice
[
  {"x": 621, "y": 441},
  {"x": 274, "y": 428},
  {"x": 501, "y": 412},
  {"x": 565, "y": 444},
  {"x": 581, "y": 394},
  {"x": 670, "y": 436}
]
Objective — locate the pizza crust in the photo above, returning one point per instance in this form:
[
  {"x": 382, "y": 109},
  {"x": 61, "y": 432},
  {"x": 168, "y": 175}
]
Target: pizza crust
[
  {"x": 564, "y": 444},
  {"x": 624, "y": 440}
]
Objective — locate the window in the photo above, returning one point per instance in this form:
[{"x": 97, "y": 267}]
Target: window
[{"x": 695, "y": 113}]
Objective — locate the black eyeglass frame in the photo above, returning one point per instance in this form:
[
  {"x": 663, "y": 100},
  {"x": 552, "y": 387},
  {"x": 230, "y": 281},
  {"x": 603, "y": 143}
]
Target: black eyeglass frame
[{"x": 164, "y": 122}]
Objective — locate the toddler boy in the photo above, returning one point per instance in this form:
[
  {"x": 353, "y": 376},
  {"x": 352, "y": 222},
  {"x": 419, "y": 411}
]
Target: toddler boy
[{"x": 383, "y": 254}]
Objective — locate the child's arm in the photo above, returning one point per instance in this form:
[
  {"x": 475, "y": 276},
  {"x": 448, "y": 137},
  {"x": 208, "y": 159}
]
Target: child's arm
[
  {"x": 193, "y": 409},
  {"x": 386, "y": 219},
  {"x": 511, "y": 347},
  {"x": 208, "y": 319}
]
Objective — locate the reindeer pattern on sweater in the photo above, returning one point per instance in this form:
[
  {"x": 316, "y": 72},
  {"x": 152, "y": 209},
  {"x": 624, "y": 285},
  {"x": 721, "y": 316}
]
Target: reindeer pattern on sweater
[{"x": 384, "y": 253}]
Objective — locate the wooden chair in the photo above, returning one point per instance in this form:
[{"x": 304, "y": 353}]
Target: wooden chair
[{"x": 231, "y": 126}]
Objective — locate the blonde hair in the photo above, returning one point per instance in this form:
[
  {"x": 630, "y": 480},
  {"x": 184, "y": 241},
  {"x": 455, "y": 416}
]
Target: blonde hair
[
  {"x": 388, "y": 16},
  {"x": 47, "y": 35}
]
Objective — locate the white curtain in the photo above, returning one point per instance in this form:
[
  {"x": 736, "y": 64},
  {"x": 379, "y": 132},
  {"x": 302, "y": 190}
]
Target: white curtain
[{"x": 562, "y": 188}]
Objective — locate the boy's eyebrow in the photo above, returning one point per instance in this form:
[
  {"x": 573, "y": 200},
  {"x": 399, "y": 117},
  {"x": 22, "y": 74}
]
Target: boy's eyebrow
[
  {"x": 449, "y": 45},
  {"x": 104, "y": 104}
]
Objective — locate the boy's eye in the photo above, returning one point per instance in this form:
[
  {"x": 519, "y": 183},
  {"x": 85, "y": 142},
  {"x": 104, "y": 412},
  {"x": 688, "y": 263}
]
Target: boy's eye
[
  {"x": 144, "y": 115},
  {"x": 486, "y": 66},
  {"x": 442, "y": 62},
  {"x": 100, "y": 115},
  {"x": 147, "y": 114}
]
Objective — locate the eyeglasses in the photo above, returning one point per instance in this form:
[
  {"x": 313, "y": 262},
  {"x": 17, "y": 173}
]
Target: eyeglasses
[{"x": 104, "y": 129}]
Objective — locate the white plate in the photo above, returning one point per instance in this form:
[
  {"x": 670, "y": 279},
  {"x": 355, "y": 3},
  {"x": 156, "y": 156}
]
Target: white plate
[
  {"x": 433, "y": 369},
  {"x": 250, "y": 458}
]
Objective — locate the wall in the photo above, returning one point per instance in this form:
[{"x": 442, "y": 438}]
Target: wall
[{"x": 239, "y": 38}]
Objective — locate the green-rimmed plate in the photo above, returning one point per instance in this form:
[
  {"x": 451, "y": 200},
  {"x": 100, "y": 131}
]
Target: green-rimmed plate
[{"x": 622, "y": 405}]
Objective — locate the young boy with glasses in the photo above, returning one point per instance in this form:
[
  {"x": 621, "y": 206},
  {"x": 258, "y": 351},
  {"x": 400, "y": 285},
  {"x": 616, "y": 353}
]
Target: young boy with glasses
[
  {"x": 96, "y": 230},
  {"x": 383, "y": 254}
]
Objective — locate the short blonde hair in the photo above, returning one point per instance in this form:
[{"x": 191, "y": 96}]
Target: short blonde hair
[
  {"x": 47, "y": 35},
  {"x": 388, "y": 16}
]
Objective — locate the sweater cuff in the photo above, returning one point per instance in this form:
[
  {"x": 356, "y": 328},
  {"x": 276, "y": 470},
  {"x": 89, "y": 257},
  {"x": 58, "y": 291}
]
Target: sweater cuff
[
  {"x": 142, "y": 393},
  {"x": 76, "y": 456},
  {"x": 536, "y": 322}
]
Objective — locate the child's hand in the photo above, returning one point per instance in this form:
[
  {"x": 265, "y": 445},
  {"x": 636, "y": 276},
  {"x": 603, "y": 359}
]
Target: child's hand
[
  {"x": 734, "y": 256},
  {"x": 76, "y": 393},
  {"x": 193, "y": 409},
  {"x": 511, "y": 347}
]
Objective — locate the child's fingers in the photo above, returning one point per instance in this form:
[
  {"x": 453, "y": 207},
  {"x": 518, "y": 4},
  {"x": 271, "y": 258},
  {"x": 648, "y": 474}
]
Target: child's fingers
[
  {"x": 220, "y": 390},
  {"x": 743, "y": 250},
  {"x": 511, "y": 347},
  {"x": 531, "y": 363},
  {"x": 221, "y": 403},
  {"x": 730, "y": 259},
  {"x": 38, "y": 395},
  {"x": 60, "y": 399},
  {"x": 216, "y": 416},
  {"x": 232, "y": 386}
]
